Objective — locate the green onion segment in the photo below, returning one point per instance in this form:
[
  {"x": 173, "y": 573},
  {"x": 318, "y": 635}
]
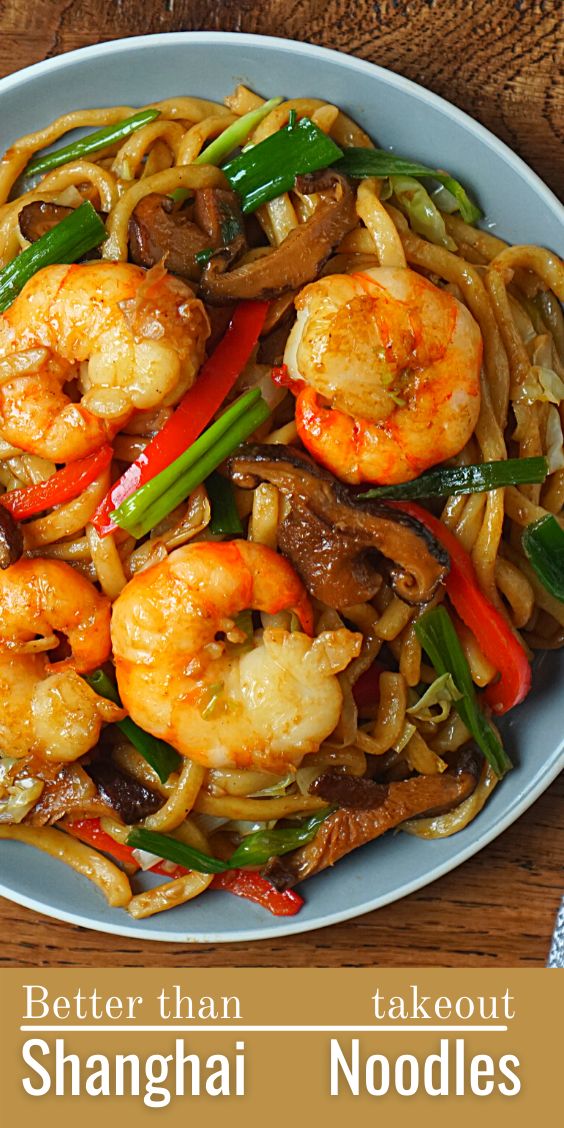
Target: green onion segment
[
  {"x": 68, "y": 241},
  {"x": 235, "y": 134},
  {"x": 270, "y": 168},
  {"x": 450, "y": 480},
  {"x": 161, "y": 757},
  {"x": 254, "y": 850},
  {"x": 358, "y": 163},
  {"x": 157, "y": 498},
  {"x": 225, "y": 520},
  {"x": 92, "y": 143},
  {"x": 439, "y": 639},
  {"x": 543, "y": 545},
  {"x": 202, "y": 257},
  {"x": 232, "y": 137}
]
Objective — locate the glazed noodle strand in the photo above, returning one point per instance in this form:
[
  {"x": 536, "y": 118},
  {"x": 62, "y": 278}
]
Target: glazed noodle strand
[
  {"x": 91, "y": 864},
  {"x": 281, "y": 660},
  {"x": 493, "y": 415},
  {"x": 68, "y": 519},
  {"x": 20, "y": 154},
  {"x": 169, "y": 895},
  {"x": 181, "y": 800},
  {"x": 379, "y": 223}
]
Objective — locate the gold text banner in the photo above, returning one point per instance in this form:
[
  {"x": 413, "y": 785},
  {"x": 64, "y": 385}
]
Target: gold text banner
[{"x": 279, "y": 1047}]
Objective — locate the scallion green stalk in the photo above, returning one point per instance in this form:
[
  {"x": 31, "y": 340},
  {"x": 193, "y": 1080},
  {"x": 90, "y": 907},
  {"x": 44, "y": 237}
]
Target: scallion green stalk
[
  {"x": 68, "y": 241},
  {"x": 161, "y": 757},
  {"x": 225, "y": 520},
  {"x": 543, "y": 545},
  {"x": 259, "y": 847},
  {"x": 235, "y": 134},
  {"x": 439, "y": 639},
  {"x": 92, "y": 143},
  {"x": 359, "y": 163},
  {"x": 270, "y": 168},
  {"x": 172, "y": 850},
  {"x": 156, "y": 499},
  {"x": 231, "y": 138},
  {"x": 254, "y": 850},
  {"x": 201, "y": 257},
  {"x": 476, "y": 478}
]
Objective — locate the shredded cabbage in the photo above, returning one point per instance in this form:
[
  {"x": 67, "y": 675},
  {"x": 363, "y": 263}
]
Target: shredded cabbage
[
  {"x": 22, "y": 796},
  {"x": 424, "y": 217},
  {"x": 554, "y": 441},
  {"x": 422, "y": 759},
  {"x": 243, "y": 827},
  {"x": 146, "y": 860},
  {"x": 386, "y": 189},
  {"x": 275, "y": 789},
  {"x": 445, "y": 200},
  {"x": 441, "y": 693},
  {"x": 208, "y": 823},
  {"x": 6, "y": 765},
  {"x": 543, "y": 385}
]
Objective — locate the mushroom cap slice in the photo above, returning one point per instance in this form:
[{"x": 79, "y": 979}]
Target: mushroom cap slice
[
  {"x": 11, "y": 539},
  {"x": 335, "y": 540},
  {"x": 39, "y": 217},
  {"x": 157, "y": 232},
  {"x": 348, "y": 828},
  {"x": 300, "y": 255}
]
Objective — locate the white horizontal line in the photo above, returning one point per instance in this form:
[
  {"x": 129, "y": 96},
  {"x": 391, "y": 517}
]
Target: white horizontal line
[{"x": 376, "y": 1029}]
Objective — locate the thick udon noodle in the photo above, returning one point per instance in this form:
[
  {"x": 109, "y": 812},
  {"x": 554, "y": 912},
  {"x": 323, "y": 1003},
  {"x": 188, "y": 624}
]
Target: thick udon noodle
[{"x": 511, "y": 293}]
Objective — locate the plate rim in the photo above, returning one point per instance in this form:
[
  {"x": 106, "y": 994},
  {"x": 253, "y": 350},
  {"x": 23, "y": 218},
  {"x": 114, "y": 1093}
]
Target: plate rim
[
  {"x": 271, "y": 932},
  {"x": 293, "y": 46},
  {"x": 522, "y": 803}
]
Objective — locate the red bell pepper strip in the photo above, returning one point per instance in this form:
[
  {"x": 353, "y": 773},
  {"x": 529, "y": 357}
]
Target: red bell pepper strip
[
  {"x": 64, "y": 485},
  {"x": 216, "y": 379},
  {"x": 493, "y": 635},
  {"x": 250, "y": 884},
  {"x": 366, "y": 691},
  {"x": 90, "y": 832},
  {"x": 168, "y": 869},
  {"x": 243, "y": 883}
]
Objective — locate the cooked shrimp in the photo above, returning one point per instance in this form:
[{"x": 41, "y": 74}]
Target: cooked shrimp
[
  {"x": 131, "y": 339},
  {"x": 41, "y": 597},
  {"x": 388, "y": 374},
  {"x": 189, "y": 674},
  {"x": 52, "y": 715},
  {"x": 47, "y": 708}
]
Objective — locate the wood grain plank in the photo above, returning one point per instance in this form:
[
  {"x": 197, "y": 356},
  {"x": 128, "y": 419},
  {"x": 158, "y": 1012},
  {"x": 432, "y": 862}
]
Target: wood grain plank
[{"x": 501, "y": 62}]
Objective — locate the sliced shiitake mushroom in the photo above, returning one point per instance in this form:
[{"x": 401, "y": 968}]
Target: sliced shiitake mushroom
[
  {"x": 39, "y": 217},
  {"x": 11, "y": 539},
  {"x": 159, "y": 233},
  {"x": 350, "y": 827},
  {"x": 335, "y": 540},
  {"x": 300, "y": 255},
  {"x": 131, "y": 799}
]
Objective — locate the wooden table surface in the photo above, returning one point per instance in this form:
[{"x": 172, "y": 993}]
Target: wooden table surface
[{"x": 499, "y": 62}]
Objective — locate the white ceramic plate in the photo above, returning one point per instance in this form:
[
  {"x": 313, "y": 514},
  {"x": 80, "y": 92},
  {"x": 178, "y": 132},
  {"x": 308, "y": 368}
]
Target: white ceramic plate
[{"x": 518, "y": 205}]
